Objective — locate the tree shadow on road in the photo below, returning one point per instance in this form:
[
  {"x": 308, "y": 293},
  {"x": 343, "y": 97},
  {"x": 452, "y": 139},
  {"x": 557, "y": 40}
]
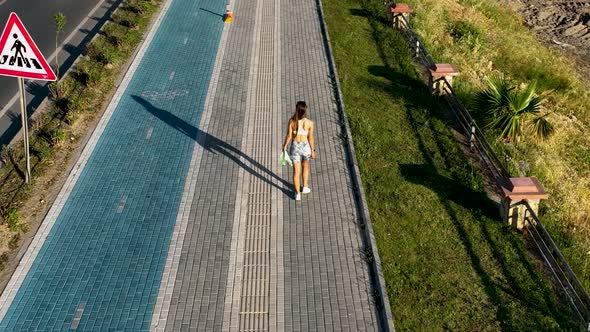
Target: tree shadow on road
[{"x": 214, "y": 145}]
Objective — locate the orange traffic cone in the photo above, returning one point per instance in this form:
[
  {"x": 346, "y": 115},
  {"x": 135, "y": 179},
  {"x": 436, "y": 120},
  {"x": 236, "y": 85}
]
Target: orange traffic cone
[{"x": 228, "y": 14}]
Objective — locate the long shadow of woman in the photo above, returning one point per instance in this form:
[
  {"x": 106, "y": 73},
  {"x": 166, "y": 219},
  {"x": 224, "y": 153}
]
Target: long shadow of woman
[{"x": 215, "y": 145}]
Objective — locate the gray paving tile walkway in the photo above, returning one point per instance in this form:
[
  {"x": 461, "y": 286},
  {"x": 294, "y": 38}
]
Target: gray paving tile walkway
[
  {"x": 242, "y": 254},
  {"x": 291, "y": 266},
  {"x": 326, "y": 276}
]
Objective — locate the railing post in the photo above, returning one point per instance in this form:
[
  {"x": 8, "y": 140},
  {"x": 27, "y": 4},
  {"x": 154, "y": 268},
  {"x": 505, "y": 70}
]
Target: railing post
[
  {"x": 517, "y": 190},
  {"x": 472, "y": 135},
  {"x": 437, "y": 76},
  {"x": 526, "y": 221},
  {"x": 397, "y": 10}
]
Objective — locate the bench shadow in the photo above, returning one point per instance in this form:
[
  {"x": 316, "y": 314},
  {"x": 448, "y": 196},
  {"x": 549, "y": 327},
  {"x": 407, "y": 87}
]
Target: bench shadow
[
  {"x": 449, "y": 189},
  {"x": 214, "y": 145},
  {"x": 360, "y": 12},
  {"x": 453, "y": 188}
]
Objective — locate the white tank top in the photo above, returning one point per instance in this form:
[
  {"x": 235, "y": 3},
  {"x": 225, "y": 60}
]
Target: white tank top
[{"x": 300, "y": 130}]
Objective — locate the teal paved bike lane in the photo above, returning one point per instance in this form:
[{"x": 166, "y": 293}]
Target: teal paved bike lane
[{"x": 107, "y": 249}]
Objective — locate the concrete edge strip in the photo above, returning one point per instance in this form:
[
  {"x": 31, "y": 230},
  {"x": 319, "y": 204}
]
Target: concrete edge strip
[
  {"x": 37, "y": 243},
  {"x": 162, "y": 307},
  {"x": 233, "y": 292},
  {"x": 384, "y": 309}
]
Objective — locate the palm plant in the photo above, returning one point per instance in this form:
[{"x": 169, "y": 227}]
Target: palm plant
[{"x": 512, "y": 111}]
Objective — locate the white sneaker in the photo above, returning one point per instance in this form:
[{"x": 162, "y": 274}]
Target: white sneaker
[
  {"x": 306, "y": 190},
  {"x": 297, "y": 196}
]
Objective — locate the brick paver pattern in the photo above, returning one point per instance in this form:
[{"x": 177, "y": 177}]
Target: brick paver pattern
[
  {"x": 108, "y": 245},
  {"x": 247, "y": 257},
  {"x": 326, "y": 275}
]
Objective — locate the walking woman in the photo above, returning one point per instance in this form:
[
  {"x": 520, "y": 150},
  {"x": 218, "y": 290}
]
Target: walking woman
[{"x": 300, "y": 135}]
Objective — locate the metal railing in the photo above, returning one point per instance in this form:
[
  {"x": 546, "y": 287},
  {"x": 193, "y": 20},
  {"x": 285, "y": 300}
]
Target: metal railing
[
  {"x": 556, "y": 263},
  {"x": 416, "y": 44},
  {"x": 476, "y": 138}
]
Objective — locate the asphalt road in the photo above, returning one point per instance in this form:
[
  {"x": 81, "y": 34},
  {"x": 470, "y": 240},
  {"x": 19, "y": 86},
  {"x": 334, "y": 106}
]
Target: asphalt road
[{"x": 84, "y": 19}]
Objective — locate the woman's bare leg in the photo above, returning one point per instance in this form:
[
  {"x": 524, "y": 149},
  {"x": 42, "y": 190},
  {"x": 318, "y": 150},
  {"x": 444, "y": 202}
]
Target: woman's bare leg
[
  {"x": 296, "y": 176},
  {"x": 305, "y": 164}
]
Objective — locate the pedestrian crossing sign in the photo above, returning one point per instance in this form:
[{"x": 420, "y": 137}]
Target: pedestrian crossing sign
[{"x": 19, "y": 56}]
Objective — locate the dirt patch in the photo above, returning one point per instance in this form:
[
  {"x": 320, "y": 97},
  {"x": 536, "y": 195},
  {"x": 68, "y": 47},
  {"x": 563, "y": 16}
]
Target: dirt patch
[{"x": 564, "y": 24}]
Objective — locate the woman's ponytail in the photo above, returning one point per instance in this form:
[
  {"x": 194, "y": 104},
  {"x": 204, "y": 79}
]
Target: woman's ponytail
[{"x": 300, "y": 110}]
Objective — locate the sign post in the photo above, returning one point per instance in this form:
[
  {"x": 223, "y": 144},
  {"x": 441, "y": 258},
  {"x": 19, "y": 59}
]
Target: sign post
[
  {"x": 21, "y": 58},
  {"x": 23, "y": 112}
]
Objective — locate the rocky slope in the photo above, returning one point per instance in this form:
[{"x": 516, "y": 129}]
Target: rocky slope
[{"x": 562, "y": 23}]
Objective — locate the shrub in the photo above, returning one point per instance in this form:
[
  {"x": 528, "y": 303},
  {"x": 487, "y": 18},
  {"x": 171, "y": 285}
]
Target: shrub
[
  {"x": 3, "y": 260},
  {"x": 115, "y": 34},
  {"x": 132, "y": 39},
  {"x": 93, "y": 98},
  {"x": 138, "y": 6},
  {"x": 76, "y": 105},
  {"x": 126, "y": 19},
  {"x": 466, "y": 33},
  {"x": 61, "y": 89},
  {"x": 11, "y": 155},
  {"x": 5, "y": 154},
  {"x": 58, "y": 137},
  {"x": 102, "y": 50},
  {"x": 42, "y": 147},
  {"x": 14, "y": 240},
  {"x": 89, "y": 72},
  {"x": 11, "y": 218}
]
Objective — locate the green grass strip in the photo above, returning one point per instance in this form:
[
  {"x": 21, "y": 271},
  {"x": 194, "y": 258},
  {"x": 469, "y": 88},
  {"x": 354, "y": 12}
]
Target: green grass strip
[{"x": 449, "y": 264}]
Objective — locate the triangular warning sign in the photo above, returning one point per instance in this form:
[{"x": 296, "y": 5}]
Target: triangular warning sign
[{"x": 19, "y": 56}]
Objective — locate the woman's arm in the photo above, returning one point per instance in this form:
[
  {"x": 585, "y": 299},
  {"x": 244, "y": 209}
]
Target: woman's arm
[
  {"x": 288, "y": 137},
  {"x": 311, "y": 139}
]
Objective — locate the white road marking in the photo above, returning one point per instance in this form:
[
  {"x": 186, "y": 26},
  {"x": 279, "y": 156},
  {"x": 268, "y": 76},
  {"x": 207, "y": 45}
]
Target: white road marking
[
  {"x": 9, "y": 105},
  {"x": 121, "y": 204},
  {"x": 149, "y": 133}
]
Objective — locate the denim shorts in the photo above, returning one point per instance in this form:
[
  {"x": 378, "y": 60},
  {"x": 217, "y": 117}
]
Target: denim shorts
[{"x": 300, "y": 150}]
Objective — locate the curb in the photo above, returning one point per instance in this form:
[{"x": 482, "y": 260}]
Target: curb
[{"x": 380, "y": 298}]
